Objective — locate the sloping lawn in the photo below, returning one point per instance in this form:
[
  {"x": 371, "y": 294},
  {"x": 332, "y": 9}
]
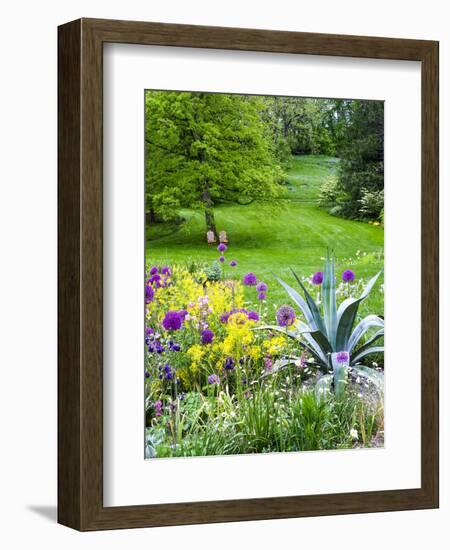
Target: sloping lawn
[{"x": 270, "y": 238}]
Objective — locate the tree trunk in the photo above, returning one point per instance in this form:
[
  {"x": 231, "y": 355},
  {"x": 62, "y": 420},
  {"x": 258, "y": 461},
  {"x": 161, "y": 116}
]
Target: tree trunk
[
  {"x": 209, "y": 212},
  {"x": 210, "y": 221},
  {"x": 150, "y": 216}
]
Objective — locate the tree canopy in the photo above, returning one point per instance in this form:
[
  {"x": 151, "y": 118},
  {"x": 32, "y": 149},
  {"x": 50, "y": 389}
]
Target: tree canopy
[{"x": 205, "y": 148}]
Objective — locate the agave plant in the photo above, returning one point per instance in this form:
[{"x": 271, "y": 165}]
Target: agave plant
[{"x": 332, "y": 338}]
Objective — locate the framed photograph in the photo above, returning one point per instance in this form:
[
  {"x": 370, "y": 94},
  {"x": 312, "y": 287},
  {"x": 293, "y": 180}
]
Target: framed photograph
[{"x": 248, "y": 274}]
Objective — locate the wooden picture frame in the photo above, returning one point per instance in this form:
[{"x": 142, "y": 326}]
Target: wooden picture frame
[{"x": 80, "y": 272}]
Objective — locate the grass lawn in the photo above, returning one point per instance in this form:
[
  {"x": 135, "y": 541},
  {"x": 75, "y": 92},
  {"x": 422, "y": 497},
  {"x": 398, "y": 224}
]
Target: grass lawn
[{"x": 269, "y": 238}]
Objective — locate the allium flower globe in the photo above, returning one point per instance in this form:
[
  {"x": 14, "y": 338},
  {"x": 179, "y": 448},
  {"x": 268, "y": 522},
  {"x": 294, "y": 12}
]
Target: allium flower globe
[
  {"x": 250, "y": 279},
  {"x": 261, "y": 287},
  {"x": 261, "y": 296},
  {"x": 285, "y": 316},
  {"x": 172, "y": 320},
  {"x": 233, "y": 263},
  {"x": 348, "y": 276},
  {"x": 317, "y": 278},
  {"x": 222, "y": 259},
  {"x": 154, "y": 270},
  {"x": 222, "y": 247},
  {"x": 207, "y": 336},
  {"x": 343, "y": 357}
]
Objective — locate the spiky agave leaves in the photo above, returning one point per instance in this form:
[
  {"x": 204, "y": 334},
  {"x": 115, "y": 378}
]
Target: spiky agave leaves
[{"x": 326, "y": 333}]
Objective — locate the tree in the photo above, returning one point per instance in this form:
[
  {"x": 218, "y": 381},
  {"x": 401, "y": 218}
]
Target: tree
[
  {"x": 361, "y": 170},
  {"x": 203, "y": 149},
  {"x": 304, "y": 124}
]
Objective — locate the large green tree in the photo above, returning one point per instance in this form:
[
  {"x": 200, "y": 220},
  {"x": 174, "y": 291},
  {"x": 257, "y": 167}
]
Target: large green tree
[{"x": 203, "y": 149}]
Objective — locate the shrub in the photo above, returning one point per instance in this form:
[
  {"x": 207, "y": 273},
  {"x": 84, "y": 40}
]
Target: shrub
[
  {"x": 213, "y": 272},
  {"x": 372, "y": 204}
]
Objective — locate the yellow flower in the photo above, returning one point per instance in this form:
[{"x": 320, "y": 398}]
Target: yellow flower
[
  {"x": 195, "y": 353},
  {"x": 255, "y": 352},
  {"x": 275, "y": 345}
]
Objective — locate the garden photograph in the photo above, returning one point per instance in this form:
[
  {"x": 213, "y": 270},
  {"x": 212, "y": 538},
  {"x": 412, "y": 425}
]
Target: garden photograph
[{"x": 264, "y": 288}]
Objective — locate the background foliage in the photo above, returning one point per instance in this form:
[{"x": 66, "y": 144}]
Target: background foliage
[{"x": 205, "y": 149}]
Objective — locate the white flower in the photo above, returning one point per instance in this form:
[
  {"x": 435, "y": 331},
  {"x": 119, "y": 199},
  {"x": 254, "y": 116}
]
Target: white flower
[{"x": 354, "y": 433}]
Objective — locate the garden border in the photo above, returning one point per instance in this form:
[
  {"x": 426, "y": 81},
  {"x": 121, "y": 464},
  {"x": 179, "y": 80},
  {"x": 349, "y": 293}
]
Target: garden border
[{"x": 80, "y": 274}]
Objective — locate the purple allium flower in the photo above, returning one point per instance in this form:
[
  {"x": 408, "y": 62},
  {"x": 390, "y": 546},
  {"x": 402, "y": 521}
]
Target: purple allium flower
[
  {"x": 154, "y": 270},
  {"x": 261, "y": 296},
  {"x": 158, "y": 406},
  {"x": 285, "y": 316},
  {"x": 317, "y": 278},
  {"x": 222, "y": 247},
  {"x": 207, "y": 336},
  {"x": 149, "y": 330},
  {"x": 168, "y": 373},
  {"x": 173, "y": 320},
  {"x": 165, "y": 270},
  {"x": 250, "y": 279},
  {"x": 229, "y": 363},
  {"x": 233, "y": 263},
  {"x": 343, "y": 357},
  {"x": 221, "y": 259},
  {"x": 149, "y": 294},
  {"x": 261, "y": 287},
  {"x": 213, "y": 379},
  {"x": 348, "y": 276},
  {"x": 252, "y": 315}
]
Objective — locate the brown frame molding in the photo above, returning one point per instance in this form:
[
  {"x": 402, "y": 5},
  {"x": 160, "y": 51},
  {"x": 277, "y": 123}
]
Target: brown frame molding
[{"x": 80, "y": 323}]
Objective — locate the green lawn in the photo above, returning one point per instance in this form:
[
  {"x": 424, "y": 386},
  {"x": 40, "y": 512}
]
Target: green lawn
[
  {"x": 307, "y": 174},
  {"x": 269, "y": 238}
]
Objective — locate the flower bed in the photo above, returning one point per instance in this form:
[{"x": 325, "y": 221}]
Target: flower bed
[{"x": 225, "y": 376}]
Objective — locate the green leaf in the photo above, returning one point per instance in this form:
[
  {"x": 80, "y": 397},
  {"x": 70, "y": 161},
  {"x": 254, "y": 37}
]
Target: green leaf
[
  {"x": 311, "y": 346},
  {"x": 320, "y": 339},
  {"x": 360, "y": 354},
  {"x": 347, "y": 314},
  {"x": 362, "y": 327},
  {"x": 368, "y": 344},
  {"x": 340, "y": 375},
  {"x": 312, "y": 306},
  {"x": 329, "y": 300}
]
